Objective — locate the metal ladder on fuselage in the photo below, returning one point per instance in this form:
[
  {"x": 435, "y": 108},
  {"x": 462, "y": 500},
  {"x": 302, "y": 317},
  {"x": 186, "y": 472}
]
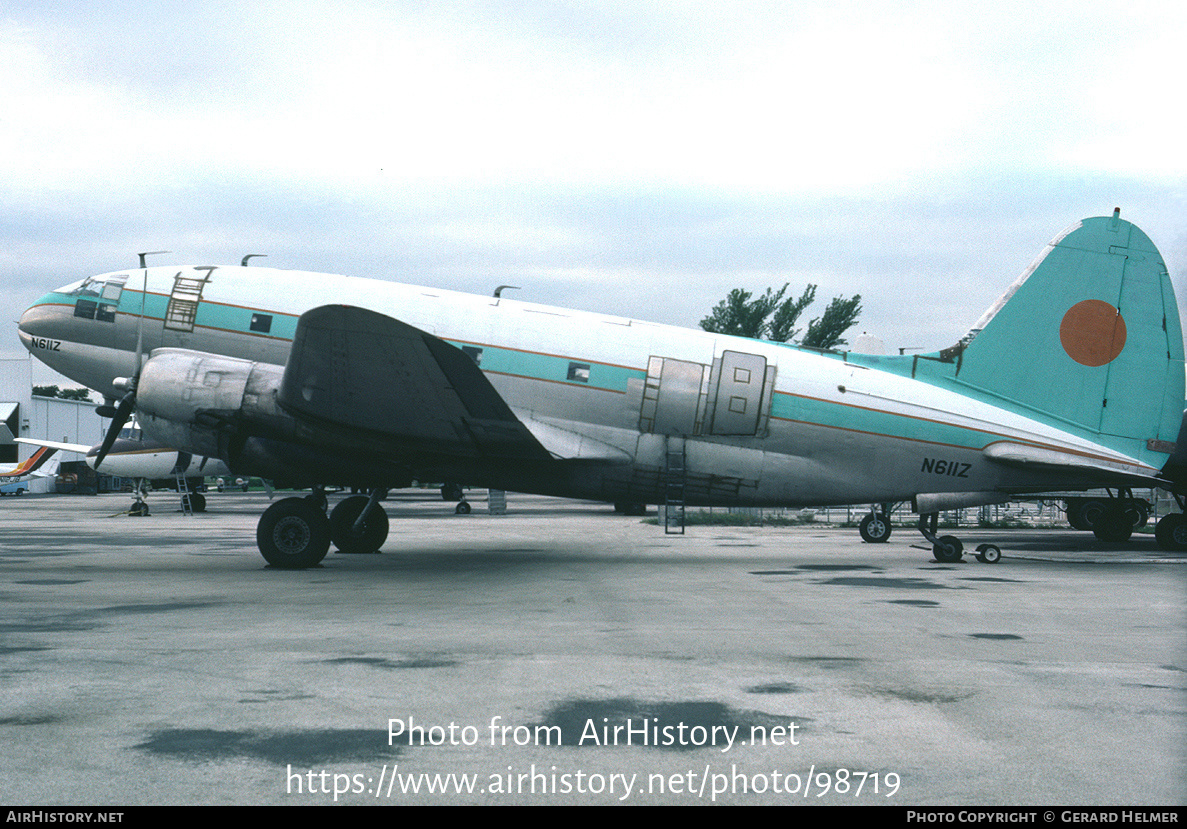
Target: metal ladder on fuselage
[{"x": 674, "y": 480}]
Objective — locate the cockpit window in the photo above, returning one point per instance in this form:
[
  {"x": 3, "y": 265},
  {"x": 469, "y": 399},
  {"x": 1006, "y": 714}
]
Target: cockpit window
[{"x": 99, "y": 296}]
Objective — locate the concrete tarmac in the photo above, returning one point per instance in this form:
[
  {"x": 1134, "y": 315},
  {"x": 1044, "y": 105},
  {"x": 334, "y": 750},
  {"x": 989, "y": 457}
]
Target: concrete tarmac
[{"x": 159, "y": 661}]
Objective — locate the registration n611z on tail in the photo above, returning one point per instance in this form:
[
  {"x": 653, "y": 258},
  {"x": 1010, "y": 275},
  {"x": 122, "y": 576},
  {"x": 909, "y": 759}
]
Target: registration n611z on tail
[{"x": 1073, "y": 380}]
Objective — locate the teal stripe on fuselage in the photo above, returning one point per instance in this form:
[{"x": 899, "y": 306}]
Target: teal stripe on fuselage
[
  {"x": 552, "y": 368},
  {"x": 510, "y": 361},
  {"x": 795, "y": 408},
  {"x": 237, "y": 319}
]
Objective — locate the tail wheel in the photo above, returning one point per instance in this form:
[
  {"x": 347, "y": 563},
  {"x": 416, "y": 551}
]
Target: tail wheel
[
  {"x": 948, "y": 549},
  {"x": 875, "y": 528},
  {"x": 368, "y": 538},
  {"x": 293, "y": 534}
]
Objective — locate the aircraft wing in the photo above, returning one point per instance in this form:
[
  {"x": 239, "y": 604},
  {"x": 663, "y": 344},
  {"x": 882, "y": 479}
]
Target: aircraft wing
[
  {"x": 80, "y": 448},
  {"x": 354, "y": 370},
  {"x": 1107, "y": 473}
]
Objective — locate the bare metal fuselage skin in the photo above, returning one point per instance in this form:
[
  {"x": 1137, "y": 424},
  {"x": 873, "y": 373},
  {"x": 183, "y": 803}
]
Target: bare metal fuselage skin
[{"x": 757, "y": 423}]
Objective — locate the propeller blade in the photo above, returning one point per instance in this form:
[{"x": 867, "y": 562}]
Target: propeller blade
[{"x": 123, "y": 412}]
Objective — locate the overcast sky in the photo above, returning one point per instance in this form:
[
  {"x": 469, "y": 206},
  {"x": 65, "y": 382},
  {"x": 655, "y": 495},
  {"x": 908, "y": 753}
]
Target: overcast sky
[{"x": 635, "y": 157}]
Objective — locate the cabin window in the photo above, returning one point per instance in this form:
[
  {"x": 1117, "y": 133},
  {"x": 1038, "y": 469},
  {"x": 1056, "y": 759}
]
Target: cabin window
[
  {"x": 261, "y": 323},
  {"x": 474, "y": 353},
  {"x": 579, "y": 372}
]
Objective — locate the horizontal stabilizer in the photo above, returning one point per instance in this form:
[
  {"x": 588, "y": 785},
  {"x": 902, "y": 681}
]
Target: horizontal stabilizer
[
  {"x": 1024, "y": 456},
  {"x": 353, "y": 369}
]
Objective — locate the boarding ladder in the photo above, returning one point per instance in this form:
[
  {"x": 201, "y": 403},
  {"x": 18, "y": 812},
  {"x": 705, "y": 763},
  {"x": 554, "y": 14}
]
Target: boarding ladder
[
  {"x": 674, "y": 479},
  {"x": 183, "y": 491}
]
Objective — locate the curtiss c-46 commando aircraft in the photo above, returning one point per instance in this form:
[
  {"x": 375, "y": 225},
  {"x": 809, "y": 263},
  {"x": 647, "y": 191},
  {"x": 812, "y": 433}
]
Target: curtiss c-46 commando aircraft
[{"x": 1073, "y": 380}]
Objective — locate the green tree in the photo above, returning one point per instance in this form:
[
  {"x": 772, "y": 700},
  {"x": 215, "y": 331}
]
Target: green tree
[
  {"x": 771, "y": 317},
  {"x": 62, "y": 394},
  {"x": 75, "y": 394},
  {"x": 825, "y": 331}
]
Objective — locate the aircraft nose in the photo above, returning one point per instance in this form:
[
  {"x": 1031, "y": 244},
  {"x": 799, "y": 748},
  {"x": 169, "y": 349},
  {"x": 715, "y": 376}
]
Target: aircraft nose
[{"x": 37, "y": 321}]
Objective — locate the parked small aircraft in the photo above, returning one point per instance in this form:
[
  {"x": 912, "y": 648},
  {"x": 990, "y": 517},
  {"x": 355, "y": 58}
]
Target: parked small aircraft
[
  {"x": 144, "y": 461},
  {"x": 30, "y": 466},
  {"x": 1073, "y": 380},
  {"x": 13, "y": 477}
]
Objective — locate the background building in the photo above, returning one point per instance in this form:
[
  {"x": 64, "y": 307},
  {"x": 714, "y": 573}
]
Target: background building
[{"x": 45, "y": 418}]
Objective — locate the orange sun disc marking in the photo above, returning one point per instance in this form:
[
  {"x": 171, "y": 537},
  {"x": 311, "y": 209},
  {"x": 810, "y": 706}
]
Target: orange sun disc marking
[{"x": 1092, "y": 332}]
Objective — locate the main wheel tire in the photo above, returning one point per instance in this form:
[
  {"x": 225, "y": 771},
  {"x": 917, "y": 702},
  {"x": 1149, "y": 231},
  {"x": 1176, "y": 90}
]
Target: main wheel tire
[
  {"x": 463, "y": 508},
  {"x": 195, "y": 500},
  {"x": 1171, "y": 532},
  {"x": 1090, "y": 512},
  {"x": 948, "y": 549},
  {"x": 1072, "y": 512},
  {"x": 293, "y": 534},
  {"x": 1141, "y": 514},
  {"x": 875, "y": 528},
  {"x": 369, "y": 538},
  {"x": 1115, "y": 524}
]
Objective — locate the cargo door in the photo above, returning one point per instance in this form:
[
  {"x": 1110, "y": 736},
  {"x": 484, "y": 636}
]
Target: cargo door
[{"x": 742, "y": 402}]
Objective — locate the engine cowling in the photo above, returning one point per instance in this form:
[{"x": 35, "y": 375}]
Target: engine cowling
[
  {"x": 200, "y": 402},
  {"x": 225, "y": 407}
]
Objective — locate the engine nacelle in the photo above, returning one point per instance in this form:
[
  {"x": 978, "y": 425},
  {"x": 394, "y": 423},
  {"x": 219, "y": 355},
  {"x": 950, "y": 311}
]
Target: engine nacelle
[
  {"x": 224, "y": 407},
  {"x": 197, "y": 402}
]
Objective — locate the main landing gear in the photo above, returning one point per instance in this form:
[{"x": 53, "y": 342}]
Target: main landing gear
[
  {"x": 295, "y": 533},
  {"x": 948, "y": 549},
  {"x": 454, "y": 492},
  {"x": 139, "y": 508},
  {"x": 1171, "y": 529}
]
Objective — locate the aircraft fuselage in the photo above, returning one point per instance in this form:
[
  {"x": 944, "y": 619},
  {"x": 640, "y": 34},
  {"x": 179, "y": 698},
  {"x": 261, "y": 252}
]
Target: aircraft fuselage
[{"x": 756, "y": 423}]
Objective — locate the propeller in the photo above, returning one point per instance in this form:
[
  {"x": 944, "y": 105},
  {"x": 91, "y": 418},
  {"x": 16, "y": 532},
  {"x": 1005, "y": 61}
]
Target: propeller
[
  {"x": 121, "y": 415},
  {"x": 127, "y": 405}
]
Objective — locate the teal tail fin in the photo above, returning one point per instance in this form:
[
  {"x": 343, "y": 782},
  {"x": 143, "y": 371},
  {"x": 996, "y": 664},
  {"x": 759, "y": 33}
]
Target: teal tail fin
[{"x": 1087, "y": 338}]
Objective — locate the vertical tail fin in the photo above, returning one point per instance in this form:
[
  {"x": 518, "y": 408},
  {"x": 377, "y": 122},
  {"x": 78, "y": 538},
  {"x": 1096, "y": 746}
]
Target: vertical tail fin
[
  {"x": 30, "y": 464},
  {"x": 1088, "y": 338}
]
